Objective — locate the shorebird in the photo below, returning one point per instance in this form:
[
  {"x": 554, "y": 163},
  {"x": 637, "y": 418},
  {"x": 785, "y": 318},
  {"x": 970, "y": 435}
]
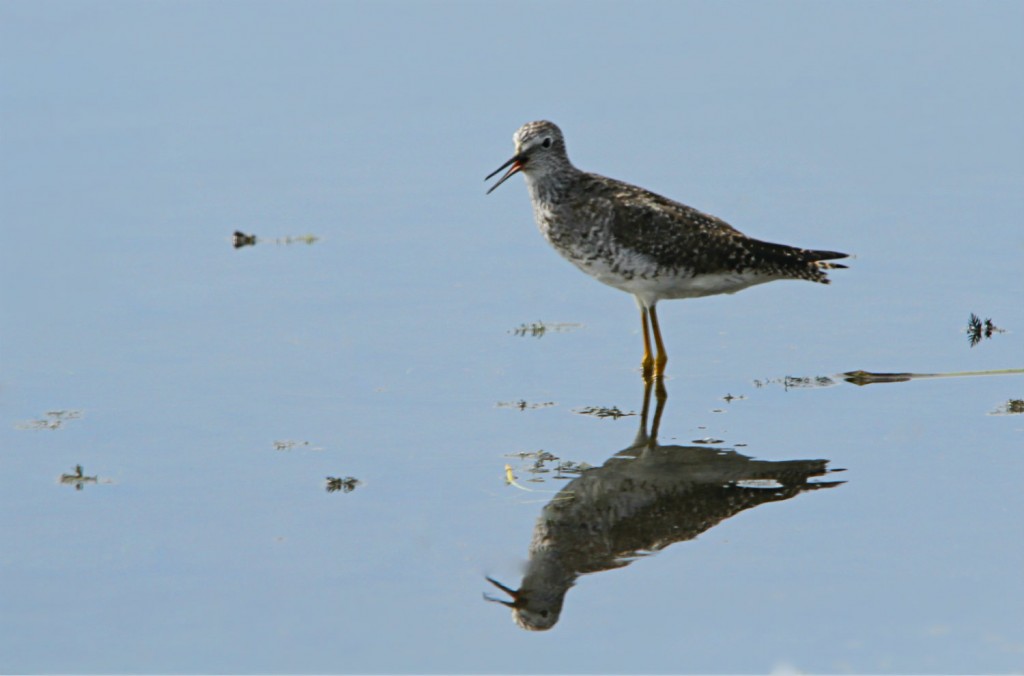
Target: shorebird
[{"x": 642, "y": 243}]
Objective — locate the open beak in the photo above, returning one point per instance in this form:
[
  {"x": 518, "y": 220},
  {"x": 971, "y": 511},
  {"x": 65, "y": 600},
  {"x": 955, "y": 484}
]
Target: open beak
[
  {"x": 516, "y": 163},
  {"x": 516, "y": 601}
]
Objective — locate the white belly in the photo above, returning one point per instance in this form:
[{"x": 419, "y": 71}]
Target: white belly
[{"x": 650, "y": 286}]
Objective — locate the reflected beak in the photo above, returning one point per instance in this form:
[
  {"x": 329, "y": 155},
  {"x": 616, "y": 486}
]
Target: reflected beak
[
  {"x": 516, "y": 163},
  {"x": 516, "y": 602}
]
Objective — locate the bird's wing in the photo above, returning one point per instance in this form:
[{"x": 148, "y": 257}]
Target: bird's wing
[{"x": 675, "y": 235}]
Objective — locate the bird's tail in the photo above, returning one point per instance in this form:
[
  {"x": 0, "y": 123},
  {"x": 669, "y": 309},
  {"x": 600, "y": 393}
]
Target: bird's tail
[
  {"x": 822, "y": 261},
  {"x": 822, "y": 258}
]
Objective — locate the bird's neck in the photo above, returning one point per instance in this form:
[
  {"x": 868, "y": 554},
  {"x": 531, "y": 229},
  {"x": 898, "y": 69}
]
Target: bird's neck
[{"x": 551, "y": 187}]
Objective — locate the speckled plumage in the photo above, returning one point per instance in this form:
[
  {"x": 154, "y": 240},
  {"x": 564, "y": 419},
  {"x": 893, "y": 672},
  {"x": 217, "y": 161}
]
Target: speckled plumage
[{"x": 640, "y": 242}]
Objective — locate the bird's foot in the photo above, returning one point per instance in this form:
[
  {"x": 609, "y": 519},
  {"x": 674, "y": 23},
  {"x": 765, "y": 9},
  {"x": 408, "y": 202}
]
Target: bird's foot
[
  {"x": 659, "y": 365},
  {"x": 647, "y": 368},
  {"x": 653, "y": 369}
]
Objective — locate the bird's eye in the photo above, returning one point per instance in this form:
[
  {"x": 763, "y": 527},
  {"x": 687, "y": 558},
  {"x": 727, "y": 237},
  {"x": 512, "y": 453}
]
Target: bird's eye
[{"x": 546, "y": 142}]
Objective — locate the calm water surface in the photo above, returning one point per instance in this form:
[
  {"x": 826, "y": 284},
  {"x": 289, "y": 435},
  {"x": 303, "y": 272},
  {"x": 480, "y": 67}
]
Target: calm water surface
[{"x": 173, "y": 406}]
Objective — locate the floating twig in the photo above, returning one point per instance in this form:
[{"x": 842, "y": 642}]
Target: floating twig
[{"x": 869, "y": 378}]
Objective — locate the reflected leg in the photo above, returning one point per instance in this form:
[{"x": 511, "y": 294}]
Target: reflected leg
[
  {"x": 662, "y": 395},
  {"x": 643, "y": 437}
]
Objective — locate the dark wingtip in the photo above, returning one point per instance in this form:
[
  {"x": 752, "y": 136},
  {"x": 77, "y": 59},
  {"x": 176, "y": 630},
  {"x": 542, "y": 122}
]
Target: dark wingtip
[{"x": 828, "y": 256}]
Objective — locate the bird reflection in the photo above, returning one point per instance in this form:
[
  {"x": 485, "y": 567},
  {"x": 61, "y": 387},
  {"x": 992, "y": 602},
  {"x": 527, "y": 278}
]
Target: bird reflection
[{"x": 643, "y": 499}]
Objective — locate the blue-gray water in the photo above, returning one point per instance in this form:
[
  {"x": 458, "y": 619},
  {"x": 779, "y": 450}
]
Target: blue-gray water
[{"x": 211, "y": 390}]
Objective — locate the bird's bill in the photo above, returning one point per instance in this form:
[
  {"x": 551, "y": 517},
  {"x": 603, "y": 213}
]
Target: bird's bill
[
  {"x": 515, "y": 603},
  {"x": 516, "y": 166}
]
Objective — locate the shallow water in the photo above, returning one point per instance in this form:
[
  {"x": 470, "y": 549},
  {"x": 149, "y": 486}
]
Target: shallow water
[{"x": 174, "y": 406}]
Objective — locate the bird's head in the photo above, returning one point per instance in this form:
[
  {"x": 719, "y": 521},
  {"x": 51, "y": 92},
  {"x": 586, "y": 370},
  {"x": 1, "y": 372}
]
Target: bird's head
[
  {"x": 540, "y": 149},
  {"x": 533, "y": 612}
]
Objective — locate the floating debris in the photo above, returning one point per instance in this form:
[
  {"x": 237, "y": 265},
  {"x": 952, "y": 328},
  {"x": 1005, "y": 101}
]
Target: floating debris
[
  {"x": 289, "y": 445},
  {"x": 523, "y": 405},
  {"x": 1011, "y": 407},
  {"x": 54, "y": 420},
  {"x": 603, "y": 412},
  {"x": 729, "y": 398},
  {"x": 869, "y": 378},
  {"x": 565, "y": 468},
  {"x": 796, "y": 382},
  {"x": 709, "y": 441},
  {"x": 523, "y": 454},
  {"x": 540, "y": 456},
  {"x": 816, "y": 381},
  {"x": 539, "y": 328},
  {"x": 78, "y": 479},
  {"x": 977, "y": 329},
  {"x": 345, "y": 484},
  {"x": 241, "y": 239},
  {"x": 301, "y": 239},
  {"x": 542, "y": 463}
]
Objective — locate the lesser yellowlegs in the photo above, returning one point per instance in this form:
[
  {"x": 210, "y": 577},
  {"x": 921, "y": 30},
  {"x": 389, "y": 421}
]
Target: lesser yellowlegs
[{"x": 643, "y": 243}]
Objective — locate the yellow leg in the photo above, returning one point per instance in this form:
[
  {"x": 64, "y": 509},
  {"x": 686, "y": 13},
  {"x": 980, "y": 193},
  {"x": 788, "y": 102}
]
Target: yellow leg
[
  {"x": 662, "y": 358},
  {"x": 647, "y": 363}
]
